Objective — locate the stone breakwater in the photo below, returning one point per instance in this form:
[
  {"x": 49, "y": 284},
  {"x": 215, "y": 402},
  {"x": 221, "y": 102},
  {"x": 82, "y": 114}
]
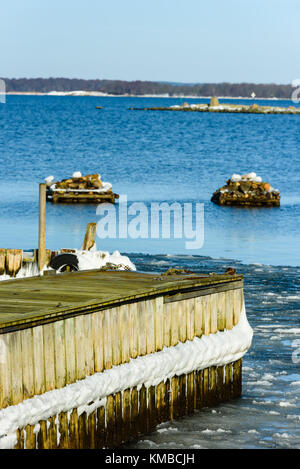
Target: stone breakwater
[
  {"x": 78, "y": 188},
  {"x": 215, "y": 106},
  {"x": 247, "y": 190}
]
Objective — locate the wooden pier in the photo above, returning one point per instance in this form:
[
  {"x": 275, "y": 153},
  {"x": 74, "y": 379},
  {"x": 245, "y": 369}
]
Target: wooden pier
[
  {"x": 82, "y": 197},
  {"x": 56, "y": 330}
]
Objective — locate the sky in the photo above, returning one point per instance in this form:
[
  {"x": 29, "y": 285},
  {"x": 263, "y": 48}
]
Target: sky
[{"x": 191, "y": 41}]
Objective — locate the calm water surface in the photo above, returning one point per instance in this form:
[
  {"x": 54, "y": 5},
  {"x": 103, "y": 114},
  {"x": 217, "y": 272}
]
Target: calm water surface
[
  {"x": 149, "y": 156},
  {"x": 182, "y": 157}
]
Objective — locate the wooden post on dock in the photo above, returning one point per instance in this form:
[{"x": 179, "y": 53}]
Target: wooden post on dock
[
  {"x": 89, "y": 239},
  {"x": 42, "y": 227}
]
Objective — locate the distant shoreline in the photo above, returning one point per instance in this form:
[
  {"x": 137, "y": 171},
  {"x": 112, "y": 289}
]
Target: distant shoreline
[{"x": 106, "y": 95}]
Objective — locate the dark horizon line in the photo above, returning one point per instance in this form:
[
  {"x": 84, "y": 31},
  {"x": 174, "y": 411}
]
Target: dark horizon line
[{"x": 175, "y": 83}]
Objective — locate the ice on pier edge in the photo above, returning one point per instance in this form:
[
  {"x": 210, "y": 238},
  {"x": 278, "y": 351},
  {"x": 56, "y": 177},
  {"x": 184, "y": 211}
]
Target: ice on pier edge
[
  {"x": 216, "y": 349},
  {"x": 87, "y": 260}
]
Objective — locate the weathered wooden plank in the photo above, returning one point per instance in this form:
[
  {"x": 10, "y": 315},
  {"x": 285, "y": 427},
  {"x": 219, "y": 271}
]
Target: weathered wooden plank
[
  {"x": 212, "y": 386},
  {"x": 83, "y": 431},
  {"x": 59, "y": 354},
  {"x": 30, "y": 442},
  {"x": 143, "y": 410},
  {"x": 159, "y": 323},
  {"x": 120, "y": 429},
  {"x": 63, "y": 430},
  {"x": 126, "y": 414},
  {"x": 190, "y": 393},
  {"x": 175, "y": 323},
  {"x": 89, "y": 349},
  {"x": 123, "y": 331},
  {"x": 150, "y": 326},
  {"x": 89, "y": 238},
  {"x": 38, "y": 360},
  {"x": 115, "y": 334},
  {"x": 190, "y": 319},
  {"x": 80, "y": 342},
  {"x": 151, "y": 409},
  {"x": 167, "y": 324},
  {"x": 206, "y": 315},
  {"x": 174, "y": 398},
  {"x": 98, "y": 340},
  {"x": 52, "y": 432},
  {"x": 205, "y": 388},
  {"x": 182, "y": 318},
  {"x": 199, "y": 390},
  {"x": 100, "y": 429},
  {"x": 49, "y": 356},
  {"x": 213, "y": 313},
  {"x": 166, "y": 401},
  {"x": 20, "y": 439},
  {"x": 221, "y": 311},
  {"x": 135, "y": 412},
  {"x": 107, "y": 349},
  {"x": 228, "y": 381},
  {"x": 110, "y": 422},
  {"x": 142, "y": 344},
  {"x": 42, "y": 439},
  {"x": 220, "y": 383},
  {"x": 2, "y": 261},
  {"x": 16, "y": 367},
  {"x": 133, "y": 330},
  {"x": 228, "y": 310},
  {"x": 71, "y": 374},
  {"x": 182, "y": 396},
  {"x": 237, "y": 305},
  {"x": 198, "y": 308},
  {"x": 13, "y": 261},
  {"x": 236, "y": 388},
  {"x": 27, "y": 363},
  {"x": 73, "y": 430},
  {"x": 6, "y": 360},
  {"x": 159, "y": 401},
  {"x": 91, "y": 424}
]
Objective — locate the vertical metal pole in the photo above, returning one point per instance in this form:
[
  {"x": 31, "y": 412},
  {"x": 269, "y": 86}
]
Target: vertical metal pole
[{"x": 42, "y": 227}]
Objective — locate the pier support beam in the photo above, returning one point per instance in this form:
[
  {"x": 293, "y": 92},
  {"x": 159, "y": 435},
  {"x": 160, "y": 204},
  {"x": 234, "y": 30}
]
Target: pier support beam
[{"x": 42, "y": 227}]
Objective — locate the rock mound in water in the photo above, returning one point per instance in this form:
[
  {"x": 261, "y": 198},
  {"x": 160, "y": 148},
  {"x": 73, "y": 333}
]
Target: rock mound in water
[
  {"x": 77, "y": 181},
  {"x": 247, "y": 190},
  {"x": 78, "y": 188}
]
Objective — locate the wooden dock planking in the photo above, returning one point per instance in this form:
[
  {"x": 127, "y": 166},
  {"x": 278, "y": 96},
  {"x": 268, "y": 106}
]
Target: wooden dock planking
[
  {"x": 63, "y": 328},
  {"x": 39, "y": 297},
  {"x": 82, "y": 197}
]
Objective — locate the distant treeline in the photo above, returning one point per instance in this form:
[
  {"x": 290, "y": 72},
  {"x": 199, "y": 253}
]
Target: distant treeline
[{"x": 119, "y": 87}]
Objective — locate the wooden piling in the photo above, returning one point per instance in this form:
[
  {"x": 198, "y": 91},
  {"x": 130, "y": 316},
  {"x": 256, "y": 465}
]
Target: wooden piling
[
  {"x": 42, "y": 227},
  {"x": 13, "y": 261},
  {"x": 89, "y": 238},
  {"x": 2, "y": 261}
]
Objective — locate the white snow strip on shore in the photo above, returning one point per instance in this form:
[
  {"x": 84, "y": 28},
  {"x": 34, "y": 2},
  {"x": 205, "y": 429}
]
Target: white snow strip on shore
[{"x": 213, "y": 350}]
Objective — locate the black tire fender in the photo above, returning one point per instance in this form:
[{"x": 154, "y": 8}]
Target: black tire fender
[{"x": 61, "y": 262}]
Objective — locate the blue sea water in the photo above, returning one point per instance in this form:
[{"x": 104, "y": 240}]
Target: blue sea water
[
  {"x": 178, "y": 157},
  {"x": 149, "y": 156}
]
